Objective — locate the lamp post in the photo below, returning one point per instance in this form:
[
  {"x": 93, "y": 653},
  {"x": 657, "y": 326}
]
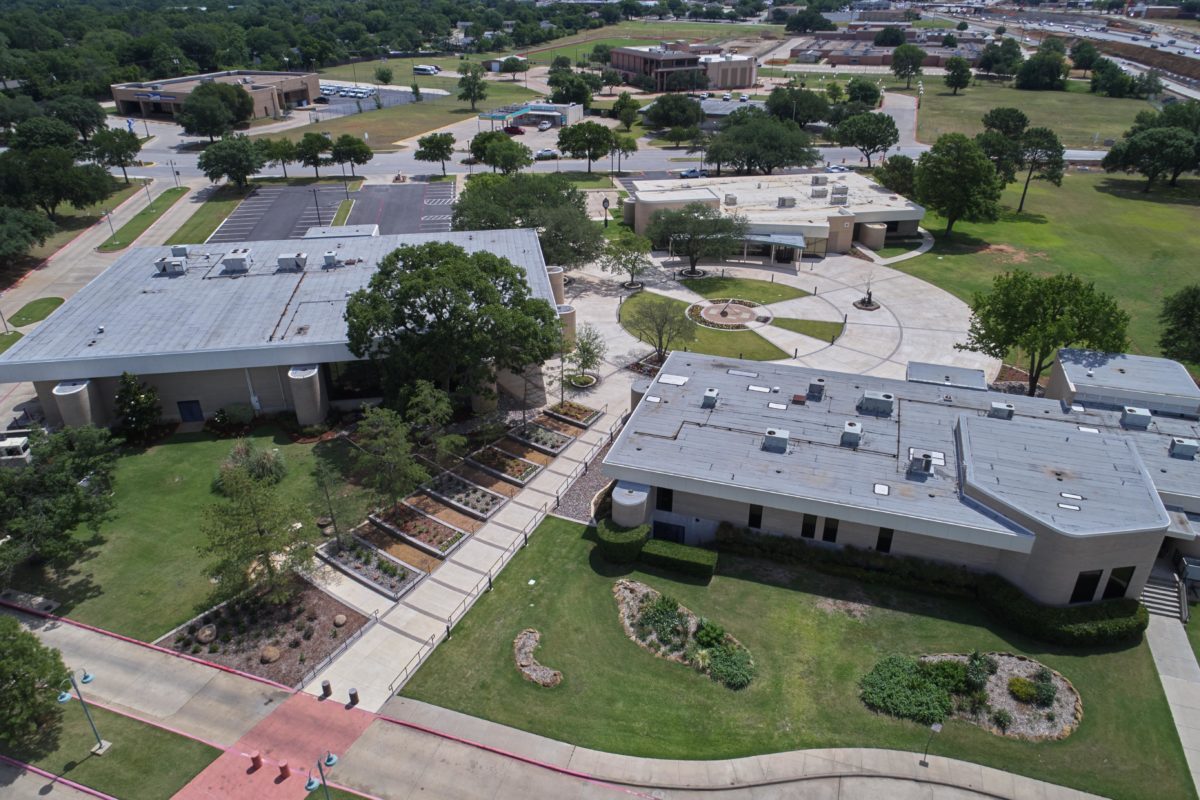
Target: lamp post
[
  {"x": 328, "y": 761},
  {"x": 108, "y": 216},
  {"x": 604, "y": 203},
  {"x": 317, "y": 205},
  {"x": 934, "y": 728},
  {"x": 65, "y": 697}
]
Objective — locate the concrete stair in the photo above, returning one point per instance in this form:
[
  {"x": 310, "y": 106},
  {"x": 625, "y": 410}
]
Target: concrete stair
[{"x": 1161, "y": 596}]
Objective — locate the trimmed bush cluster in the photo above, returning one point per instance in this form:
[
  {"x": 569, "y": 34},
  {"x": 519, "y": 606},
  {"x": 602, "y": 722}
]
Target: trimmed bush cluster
[
  {"x": 1022, "y": 689},
  {"x": 662, "y": 618},
  {"x": 900, "y": 686},
  {"x": 680, "y": 558},
  {"x": 664, "y": 626},
  {"x": 731, "y": 665},
  {"x": 1040, "y": 691},
  {"x": 262, "y": 465},
  {"x": 618, "y": 544},
  {"x": 1107, "y": 622}
]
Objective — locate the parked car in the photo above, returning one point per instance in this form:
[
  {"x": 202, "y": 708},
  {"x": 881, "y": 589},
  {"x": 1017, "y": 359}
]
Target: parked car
[
  {"x": 694, "y": 173},
  {"x": 727, "y": 96},
  {"x": 704, "y": 95},
  {"x": 838, "y": 168},
  {"x": 546, "y": 154},
  {"x": 514, "y": 130},
  {"x": 743, "y": 98},
  {"x": 545, "y": 125}
]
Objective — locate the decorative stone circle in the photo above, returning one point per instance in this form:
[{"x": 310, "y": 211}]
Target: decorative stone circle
[
  {"x": 269, "y": 654},
  {"x": 206, "y": 634},
  {"x": 523, "y": 647},
  {"x": 731, "y": 314},
  {"x": 339, "y": 620}
]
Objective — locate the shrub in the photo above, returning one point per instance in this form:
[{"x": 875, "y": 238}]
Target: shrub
[
  {"x": 1002, "y": 719},
  {"x": 1045, "y": 691},
  {"x": 679, "y": 558},
  {"x": 709, "y": 634},
  {"x": 978, "y": 669},
  {"x": 239, "y": 414},
  {"x": 618, "y": 544},
  {"x": 262, "y": 465},
  {"x": 731, "y": 665},
  {"x": 1107, "y": 622},
  {"x": 898, "y": 686},
  {"x": 950, "y": 675},
  {"x": 662, "y": 617},
  {"x": 1022, "y": 689}
]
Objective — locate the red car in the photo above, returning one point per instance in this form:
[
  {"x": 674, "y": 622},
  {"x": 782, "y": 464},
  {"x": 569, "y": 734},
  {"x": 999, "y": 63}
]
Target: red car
[{"x": 514, "y": 130}]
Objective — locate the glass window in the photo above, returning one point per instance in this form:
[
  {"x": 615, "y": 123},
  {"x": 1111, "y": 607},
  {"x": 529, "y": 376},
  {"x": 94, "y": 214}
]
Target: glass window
[
  {"x": 1086, "y": 585},
  {"x": 808, "y": 528},
  {"x": 884, "y": 543},
  {"x": 829, "y": 532},
  {"x": 755, "y": 520},
  {"x": 354, "y": 380},
  {"x": 664, "y": 499},
  {"x": 1118, "y": 582}
]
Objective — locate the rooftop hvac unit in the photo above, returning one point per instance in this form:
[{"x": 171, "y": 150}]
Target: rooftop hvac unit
[
  {"x": 1133, "y": 417},
  {"x": 179, "y": 251},
  {"x": 171, "y": 266},
  {"x": 237, "y": 260},
  {"x": 816, "y": 389},
  {"x": 880, "y": 403},
  {"x": 839, "y": 200},
  {"x": 921, "y": 464},
  {"x": 820, "y": 180},
  {"x": 731, "y": 199},
  {"x": 787, "y": 202},
  {"x": 1001, "y": 410},
  {"x": 710, "y": 398},
  {"x": 292, "y": 261},
  {"x": 851, "y": 433},
  {"x": 840, "y": 188},
  {"x": 775, "y": 441},
  {"x": 330, "y": 258},
  {"x": 820, "y": 191},
  {"x": 1184, "y": 448}
]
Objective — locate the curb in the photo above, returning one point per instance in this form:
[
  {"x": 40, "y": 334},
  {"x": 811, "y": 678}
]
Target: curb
[{"x": 79, "y": 787}]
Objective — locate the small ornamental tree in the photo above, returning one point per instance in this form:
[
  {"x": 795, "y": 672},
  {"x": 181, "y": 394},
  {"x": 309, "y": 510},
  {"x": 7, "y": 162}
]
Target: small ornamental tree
[
  {"x": 472, "y": 85},
  {"x": 628, "y": 254},
  {"x": 626, "y": 109},
  {"x": 906, "y": 62},
  {"x": 32, "y": 675},
  {"x": 383, "y": 75},
  {"x": 384, "y": 455},
  {"x": 869, "y": 133},
  {"x": 658, "y": 322},
  {"x": 311, "y": 150},
  {"x": 435, "y": 147},
  {"x": 279, "y": 151},
  {"x": 350, "y": 150},
  {"x": 589, "y": 351},
  {"x": 138, "y": 410},
  {"x": 958, "y": 73}
]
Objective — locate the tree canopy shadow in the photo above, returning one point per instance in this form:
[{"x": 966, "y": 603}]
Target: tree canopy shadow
[{"x": 1186, "y": 193}]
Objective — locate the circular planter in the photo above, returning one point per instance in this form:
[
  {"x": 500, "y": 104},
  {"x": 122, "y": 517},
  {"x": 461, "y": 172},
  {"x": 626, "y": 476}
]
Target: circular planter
[
  {"x": 692, "y": 273},
  {"x": 583, "y": 381},
  {"x": 632, "y": 286}
]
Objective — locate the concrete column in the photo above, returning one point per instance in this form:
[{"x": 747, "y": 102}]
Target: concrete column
[
  {"x": 636, "y": 392},
  {"x": 872, "y": 234},
  {"x": 308, "y": 395},
  {"x": 74, "y": 402},
  {"x": 566, "y": 315},
  {"x": 556, "y": 283},
  {"x": 630, "y": 503}
]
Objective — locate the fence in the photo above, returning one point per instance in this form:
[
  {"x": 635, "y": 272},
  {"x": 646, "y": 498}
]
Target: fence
[{"x": 329, "y": 659}]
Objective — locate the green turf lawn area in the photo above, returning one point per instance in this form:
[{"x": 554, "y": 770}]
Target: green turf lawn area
[
  {"x": 592, "y": 180},
  {"x": 933, "y": 23},
  {"x": 817, "y": 329},
  {"x": 208, "y": 217},
  {"x": 143, "y": 762},
  {"x": 618, "y": 698},
  {"x": 7, "y": 340},
  {"x": 636, "y": 32},
  {"x": 334, "y": 794},
  {"x": 343, "y": 212},
  {"x": 144, "y": 575},
  {"x": 733, "y": 344},
  {"x": 743, "y": 289},
  {"x": 364, "y": 71},
  {"x": 390, "y": 125},
  {"x": 898, "y": 247},
  {"x": 1103, "y": 228},
  {"x": 142, "y": 220},
  {"x": 34, "y": 311}
]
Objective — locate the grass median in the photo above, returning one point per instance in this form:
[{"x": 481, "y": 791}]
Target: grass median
[
  {"x": 34, "y": 311},
  {"x": 208, "y": 217},
  {"x": 128, "y": 233}
]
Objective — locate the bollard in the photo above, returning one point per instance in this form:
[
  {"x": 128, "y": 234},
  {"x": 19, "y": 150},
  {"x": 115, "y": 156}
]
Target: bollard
[
  {"x": 354, "y": 697},
  {"x": 256, "y": 760},
  {"x": 447, "y": 631},
  {"x": 285, "y": 771},
  {"x": 326, "y": 689},
  {"x": 489, "y": 581}
]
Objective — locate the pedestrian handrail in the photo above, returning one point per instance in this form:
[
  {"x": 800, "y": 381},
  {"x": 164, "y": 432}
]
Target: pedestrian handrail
[
  {"x": 327, "y": 660},
  {"x": 408, "y": 669}
]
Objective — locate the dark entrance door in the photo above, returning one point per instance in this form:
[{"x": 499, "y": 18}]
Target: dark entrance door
[
  {"x": 190, "y": 411},
  {"x": 672, "y": 533}
]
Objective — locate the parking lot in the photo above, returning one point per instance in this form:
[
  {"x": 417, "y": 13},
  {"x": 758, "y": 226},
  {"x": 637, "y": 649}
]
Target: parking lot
[{"x": 404, "y": 208}]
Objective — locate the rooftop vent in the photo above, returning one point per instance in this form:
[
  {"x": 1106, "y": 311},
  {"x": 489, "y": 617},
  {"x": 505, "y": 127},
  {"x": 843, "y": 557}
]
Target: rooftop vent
[
  {"x": 921, "y": 464},
  {"x": 775, "y": 441},
  {"x": 880, "y": 403},
  {"x": 292, "y": 261},
  {"x": 171, "y": 266},
  {"x": 179, "y": 251},
  {"x": 840, "y": 188},
  {"x": 820, "y": 191},
  {"x": 1134, "y": 417},
  {"x": 820, "y": 180},
  {"x": 237, "y": 260},
  {"x": 816, "y": 389},
  {"x": 1184, "y": 448},
  {"x": 851, "y": 433},
  {"x": 838, "y": 200},
  {"x": 731, "y": 199},
  {"x": 331, "y": 258},
  {"x": 787, "y": 202},
  {"x": 710, "y": 398},
  {"x": 1001, "y": 410}
]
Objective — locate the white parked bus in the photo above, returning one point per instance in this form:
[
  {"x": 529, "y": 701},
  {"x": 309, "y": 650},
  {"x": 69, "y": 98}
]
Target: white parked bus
[{"x": 425, "y": 69}]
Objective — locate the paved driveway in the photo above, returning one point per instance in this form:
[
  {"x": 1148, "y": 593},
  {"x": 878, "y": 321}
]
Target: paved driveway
[
  {"x": 280, "y": 212},
  {"x": 404, "y": 208}
]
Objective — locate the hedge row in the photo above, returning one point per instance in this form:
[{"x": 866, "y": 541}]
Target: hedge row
[
  {"x": 1107, "y": 622},
  {"x": 619, "y": 544},
  {"x": 680, "y": 558}
]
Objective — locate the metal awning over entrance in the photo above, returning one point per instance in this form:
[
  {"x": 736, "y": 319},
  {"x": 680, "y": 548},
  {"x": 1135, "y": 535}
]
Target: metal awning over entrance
[{"x": 781, "y": 239}]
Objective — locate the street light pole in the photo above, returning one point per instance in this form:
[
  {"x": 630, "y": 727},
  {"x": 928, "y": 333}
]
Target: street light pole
[
  {"x": 317, "y": 205},
  {"x": 63, "y": 697},
  {"x": 934, "y": 728},
  {"x": 108, "y": 216}
]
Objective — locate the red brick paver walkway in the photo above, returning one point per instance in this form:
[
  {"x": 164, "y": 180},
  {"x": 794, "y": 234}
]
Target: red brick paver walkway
[{"x": 300, "y": 731}]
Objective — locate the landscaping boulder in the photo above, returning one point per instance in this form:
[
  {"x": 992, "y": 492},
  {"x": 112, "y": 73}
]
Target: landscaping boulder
[
  {"x": 269, "y": 654},
  {"x": 339, "y": 620},
  {"x": 523, "y": 647},
  {"x": 206, "y": 634}
]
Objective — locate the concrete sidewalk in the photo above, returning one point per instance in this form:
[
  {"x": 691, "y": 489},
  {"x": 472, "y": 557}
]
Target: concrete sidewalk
[
  {"x": 1180, "y": 675},
  {"x": 20, "y": 784}
]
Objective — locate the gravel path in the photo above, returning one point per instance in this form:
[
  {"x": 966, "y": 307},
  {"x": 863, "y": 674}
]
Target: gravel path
[{"x": 577, "y": 501}]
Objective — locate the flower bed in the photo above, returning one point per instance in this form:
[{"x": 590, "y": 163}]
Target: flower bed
[
  {"x": 358, "y": 559},
  {"x": 465, "y": 496},
  {"x": 419, "y": 530},
  {"x": 574, "y": 413},
  {"x": 512, "y": 468},
  {"x": 544, "y": 439},
  {"x": 694, "y": 314}
]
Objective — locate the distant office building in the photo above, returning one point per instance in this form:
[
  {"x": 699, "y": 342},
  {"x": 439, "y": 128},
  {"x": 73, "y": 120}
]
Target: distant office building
[
  {"x": 663, "y": 61},
  {"x": 272, "y": 92}
]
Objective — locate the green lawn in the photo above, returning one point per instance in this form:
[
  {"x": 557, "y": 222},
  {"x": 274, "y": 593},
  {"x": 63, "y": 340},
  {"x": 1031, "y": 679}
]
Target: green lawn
[
  {"x": 34, "y": 311},
  {"x": 1135, "y": 246},
  {"x": 143, "y": 575},
  {"x": 589, "y": 180},
  {"x": 143, "y": 762},
  {"x": 7, "y": 340},
  {"x": 142, "y": 220},
  {"x": 209, "y": 216},
  {"x": 743, "y": 289},
  {"x": 734, "y": 344},
  {"x": 898, "y": 247},
  {"x": 343, "y": 212},
  {"x": 817, "y": 329},
  {"x": 618, "y": 698},
  {"x": 642, "y": 33}
]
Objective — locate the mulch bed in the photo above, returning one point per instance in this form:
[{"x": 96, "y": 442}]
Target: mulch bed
[
  {"x": 576, "y": 502},
  {"x": 302, "y": 630}
]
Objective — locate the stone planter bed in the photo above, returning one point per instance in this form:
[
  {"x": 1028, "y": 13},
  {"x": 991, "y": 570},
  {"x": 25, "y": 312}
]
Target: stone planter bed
[
  {"x": 574, "y": 413},
  {"x": 430, "y": 506},
  {"x": 378, "y": 570},
  {"x": 543, "y": 439},
  {"x": 419, "y": 530},
  {"x": 277, "y": 642},
  {"x": 505, "y": 465},
  {"x": 557, "y": 425},
  {"x": 465, "y": 496},
  {"x": 481, "y": 477},
  {"x": 523, "y": 451}
]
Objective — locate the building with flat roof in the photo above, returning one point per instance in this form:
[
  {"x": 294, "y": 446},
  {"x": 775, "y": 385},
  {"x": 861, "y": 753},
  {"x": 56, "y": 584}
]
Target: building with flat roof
[
  {"x": 1118, "y": 380},
  {"x": 841, "y": 52},
  {"x": 255, "y": 323},
  {"x": 787, "y": 215},
  {"x": 684, "y": 60},
  {"x": 531, "y": 113},
  {"x": 273, "y": 92},
  {"x": 1070, "y": 503}
]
